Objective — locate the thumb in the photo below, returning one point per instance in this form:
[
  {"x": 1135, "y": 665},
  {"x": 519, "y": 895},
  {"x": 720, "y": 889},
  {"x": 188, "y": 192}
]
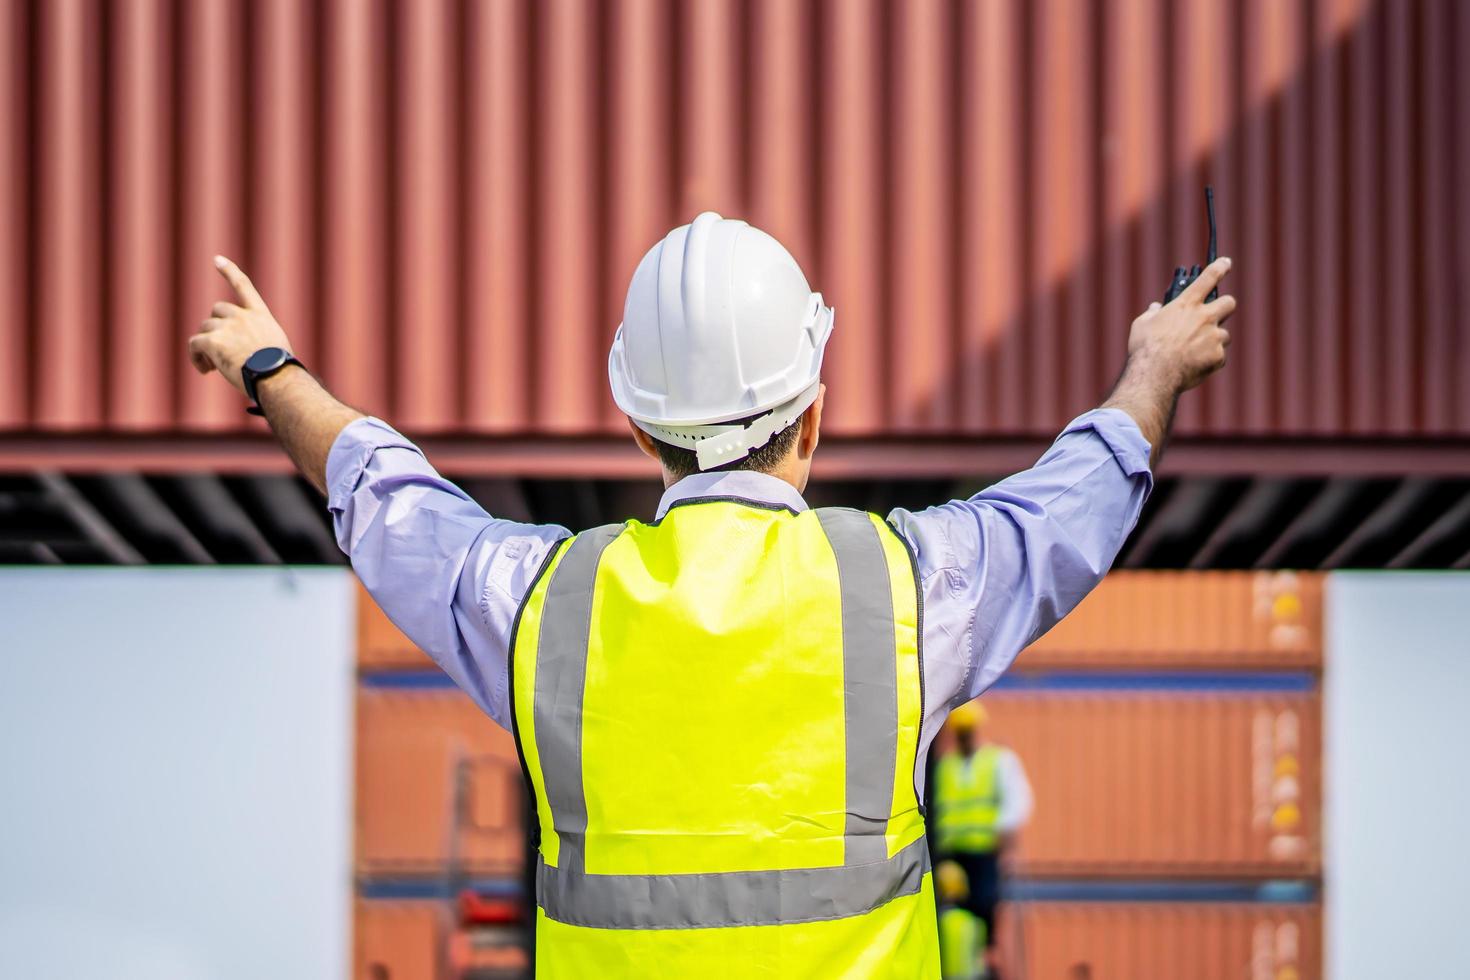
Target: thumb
[{"x": 1154, "y": 306}]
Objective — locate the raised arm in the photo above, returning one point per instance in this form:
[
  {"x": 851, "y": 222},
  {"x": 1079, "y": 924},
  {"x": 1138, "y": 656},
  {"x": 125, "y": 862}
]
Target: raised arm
[
  {"x": 1002, "y": 567},
  {"x": 303, "y": 415},
  {"x": 447, "y": 573}
]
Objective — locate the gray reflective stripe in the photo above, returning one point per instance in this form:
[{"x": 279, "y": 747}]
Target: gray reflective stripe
[
  {"x": 732, "y": 898},
  {"x": 561, "y": 676},
  {"x": 869, "y": 680}
]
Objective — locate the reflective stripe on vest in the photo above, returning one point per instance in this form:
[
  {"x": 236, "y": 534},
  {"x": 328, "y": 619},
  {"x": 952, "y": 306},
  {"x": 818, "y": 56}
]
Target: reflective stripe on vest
[
  {"x": 567, "y": 626},
  {"x": 967, "y": 801}
]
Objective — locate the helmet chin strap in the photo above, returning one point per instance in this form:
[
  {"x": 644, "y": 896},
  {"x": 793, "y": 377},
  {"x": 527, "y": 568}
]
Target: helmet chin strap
[{"x": 719, "y": 443}]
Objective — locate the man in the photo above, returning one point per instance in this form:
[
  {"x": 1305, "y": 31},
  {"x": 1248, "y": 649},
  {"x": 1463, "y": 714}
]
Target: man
[
  {"x": 963, "y": 936},
  {"x": 723, "y": 714},
  {"x": 981, "y": 799}
]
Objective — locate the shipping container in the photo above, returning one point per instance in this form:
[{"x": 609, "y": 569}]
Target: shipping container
[
  {"x": 1189, "y": 619},
  {"x": 400, "y": 940},
  {"x": 1162, "y": 941},
  {"x": 1146, "y": 784},
  {"x": 439, "y": 787},
  {"x": 444, "y": 201},
  {"x": 1133, "y": 619}
]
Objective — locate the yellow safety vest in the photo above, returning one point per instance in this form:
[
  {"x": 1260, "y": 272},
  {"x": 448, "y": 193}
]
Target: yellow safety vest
[
  {"x": 961, "y": 941},
  {"x": 967, "y": 801},
  {"x": 718, "y": 714}
]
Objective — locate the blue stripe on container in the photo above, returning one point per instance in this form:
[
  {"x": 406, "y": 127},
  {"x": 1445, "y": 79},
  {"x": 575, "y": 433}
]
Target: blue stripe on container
[
  {"x": 407, "y": 680},
  {"x": 1259, "y": 892},
  {"x": 405, "y": 889},
  {"x": 1132, "y": 680},
  {"x": 1273, "y": 892}
]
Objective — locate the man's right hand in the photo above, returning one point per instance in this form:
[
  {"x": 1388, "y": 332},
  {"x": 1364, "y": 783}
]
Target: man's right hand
[{"x": 1184, "y": 341}]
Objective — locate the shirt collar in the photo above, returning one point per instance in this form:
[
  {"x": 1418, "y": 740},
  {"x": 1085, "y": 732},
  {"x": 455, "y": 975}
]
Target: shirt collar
[{"x": 745, "y": 484}]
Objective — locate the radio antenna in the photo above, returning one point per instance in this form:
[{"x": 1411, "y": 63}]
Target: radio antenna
[{"x": 1210, "y": 209}]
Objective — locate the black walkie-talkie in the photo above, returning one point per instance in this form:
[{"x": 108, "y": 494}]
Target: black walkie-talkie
[{"x": 1182, "y": 276}]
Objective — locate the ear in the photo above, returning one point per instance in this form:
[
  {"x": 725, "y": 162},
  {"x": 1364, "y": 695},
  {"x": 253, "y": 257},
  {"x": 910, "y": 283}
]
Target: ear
[
  {"x": 645, "y": 442},
  {"x": 811, "y": 424}
]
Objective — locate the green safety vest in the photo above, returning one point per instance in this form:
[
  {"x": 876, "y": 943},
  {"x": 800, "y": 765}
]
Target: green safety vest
[
  {"x": 961, "y": 943},
  {"x": 967, "y": 801},
  {"x": 719, "y": 717}
]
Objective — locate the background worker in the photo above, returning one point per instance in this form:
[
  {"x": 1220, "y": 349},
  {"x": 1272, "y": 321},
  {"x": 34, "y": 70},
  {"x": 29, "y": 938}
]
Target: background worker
[
  {"x": 981, "y": 799},
  {"x": 724, "y": 713},
  {"x": 962, "y": 935}
]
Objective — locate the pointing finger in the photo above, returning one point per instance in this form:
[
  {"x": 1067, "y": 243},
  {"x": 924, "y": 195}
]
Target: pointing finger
[
  {"x": 1208, "y": 280},
  {"x": 240, "y": 283},
  {"x": 223, "y": 310}
]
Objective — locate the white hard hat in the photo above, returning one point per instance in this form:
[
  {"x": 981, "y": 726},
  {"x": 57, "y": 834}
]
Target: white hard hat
[{"x": 719, "y": 325}]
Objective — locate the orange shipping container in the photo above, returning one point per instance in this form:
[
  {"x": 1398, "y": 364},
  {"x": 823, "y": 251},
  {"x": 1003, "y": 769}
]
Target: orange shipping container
[
  {"x": 1190, "y": 619},
  {"x": 1133, "y": 619},
  {"x": 400, "y": 940},
  {"x": 1179, "y": 783},
  {"x": 1158, "y": 941},
  {"x": 418, "y": 752}
]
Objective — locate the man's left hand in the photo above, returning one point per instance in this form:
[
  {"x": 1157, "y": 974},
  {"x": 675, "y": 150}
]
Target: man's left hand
[{"x": 234, "y": 331}]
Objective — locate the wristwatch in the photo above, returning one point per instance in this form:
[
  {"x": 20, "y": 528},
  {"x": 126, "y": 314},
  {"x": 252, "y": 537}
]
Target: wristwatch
[{"x": 262, "y": 364}]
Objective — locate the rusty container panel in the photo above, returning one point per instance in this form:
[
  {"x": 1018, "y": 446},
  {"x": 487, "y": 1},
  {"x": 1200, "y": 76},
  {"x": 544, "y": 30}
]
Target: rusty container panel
[
  {"x": 443, "y": 201},
  {"x": 401, "y": 940},
  {"x": 1161, "y": 941},
  {"x": 1176, "y": 784},
  {"x": 438, "y": 785},
  {"x": 380, "y": 644},
  {"x": 1189, "y": 619}
]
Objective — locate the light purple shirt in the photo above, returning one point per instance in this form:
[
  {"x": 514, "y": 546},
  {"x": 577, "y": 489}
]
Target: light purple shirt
[{"x": 997, "y": 570}]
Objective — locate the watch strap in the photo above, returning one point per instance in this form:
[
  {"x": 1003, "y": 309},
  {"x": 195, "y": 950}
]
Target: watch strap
[{"x": 249, "y": 379}]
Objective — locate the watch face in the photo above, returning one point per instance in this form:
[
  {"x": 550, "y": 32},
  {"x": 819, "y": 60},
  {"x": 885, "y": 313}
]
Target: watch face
[{"x": 266, "y": 359}]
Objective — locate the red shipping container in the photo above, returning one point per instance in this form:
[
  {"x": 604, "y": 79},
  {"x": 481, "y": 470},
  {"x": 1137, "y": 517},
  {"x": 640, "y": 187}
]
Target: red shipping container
[{"x": 444, "y": 201}]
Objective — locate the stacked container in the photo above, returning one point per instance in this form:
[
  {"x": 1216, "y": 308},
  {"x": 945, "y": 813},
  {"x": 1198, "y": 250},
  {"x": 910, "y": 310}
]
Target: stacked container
[
  {"x": 440, "y": 809},
  {"x": 1171, "y": 729}
]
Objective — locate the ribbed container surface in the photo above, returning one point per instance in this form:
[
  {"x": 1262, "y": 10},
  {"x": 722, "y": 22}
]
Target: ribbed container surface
[
  {"x": 1159, "y": 941},
  {"x": 1177, "y": 784},
  {"x": 1189, "y": 619},
  {"x": 438, "y": 787},
  {"x": 1133, "y": 619},
  {"x": 443, "y": 201},
  {"x": 400, "y": 940}
]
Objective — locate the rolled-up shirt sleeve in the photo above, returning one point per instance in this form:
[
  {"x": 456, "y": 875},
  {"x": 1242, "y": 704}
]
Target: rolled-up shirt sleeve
[
  {"x": 448, "y": 574},
  {"x": 1001, "y": 568}
]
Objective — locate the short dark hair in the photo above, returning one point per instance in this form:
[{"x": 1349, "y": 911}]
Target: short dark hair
[{"x": 681, "y": 462}]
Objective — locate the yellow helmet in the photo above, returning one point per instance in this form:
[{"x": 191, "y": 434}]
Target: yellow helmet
[
  {"x": 951, "y": 881},
  {"x": 968, "y": 716}
]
